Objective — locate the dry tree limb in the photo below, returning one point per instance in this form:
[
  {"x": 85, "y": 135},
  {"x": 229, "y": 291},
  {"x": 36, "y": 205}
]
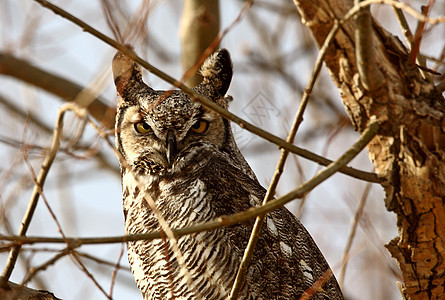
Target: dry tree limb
[
  {"x": 33, "y": 202},
  {"x": 37, "y": 191},
  {"x": 18, "y": 292},
  {"x": 33, "y": 118},
  {"x": 99, "y": 154},
  {"x": 415, "y": 47},
  {"x": 317, "y": 285},
  {"x": 59, "y": 86},
  {"x": 117, "y": 267},
  {"x": 33, "y": 271}
]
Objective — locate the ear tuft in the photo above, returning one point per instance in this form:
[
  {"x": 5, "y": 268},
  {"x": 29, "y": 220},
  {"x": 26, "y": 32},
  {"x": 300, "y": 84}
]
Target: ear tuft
[
  {"x": 125, "y": 70},
  {"x": 217, "y": 73}
]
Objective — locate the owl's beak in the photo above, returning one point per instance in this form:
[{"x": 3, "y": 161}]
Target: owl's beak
[{"x": 171, "y": 146}]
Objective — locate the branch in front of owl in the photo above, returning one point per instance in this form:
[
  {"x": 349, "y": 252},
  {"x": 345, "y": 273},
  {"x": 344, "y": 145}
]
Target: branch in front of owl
[
  {"x": 225, "y": 221},
  {"x": 367, "y": 176},
  {"x": 166, "y": 230},
  {"x": 248, "y": 252}
]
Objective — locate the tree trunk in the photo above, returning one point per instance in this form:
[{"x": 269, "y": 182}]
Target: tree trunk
[
  {"x": 199, "y": 28},
  {"x": 409, "y": 151}
]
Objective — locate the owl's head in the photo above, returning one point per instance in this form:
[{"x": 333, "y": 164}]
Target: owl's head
[{"x": 157, "y": 130}]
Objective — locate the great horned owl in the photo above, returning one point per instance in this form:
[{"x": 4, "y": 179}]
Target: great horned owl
[{"x": 183, "y": 156}]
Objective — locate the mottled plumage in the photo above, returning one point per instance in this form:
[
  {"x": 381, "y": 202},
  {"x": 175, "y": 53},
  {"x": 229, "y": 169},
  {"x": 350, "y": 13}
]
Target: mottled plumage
[{"x": 183, "y": 156}]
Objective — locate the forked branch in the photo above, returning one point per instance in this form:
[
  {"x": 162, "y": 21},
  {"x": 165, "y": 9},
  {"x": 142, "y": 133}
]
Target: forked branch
[{"x": 38, "y": 188}]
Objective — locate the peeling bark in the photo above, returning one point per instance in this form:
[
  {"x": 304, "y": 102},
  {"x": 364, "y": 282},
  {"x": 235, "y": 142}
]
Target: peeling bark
[{"x": 409, "y": 151}]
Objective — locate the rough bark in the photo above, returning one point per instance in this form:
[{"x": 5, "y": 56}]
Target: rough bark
[
  {"x": 18, "y": 292},
  {"x": 409, "y": 151}
]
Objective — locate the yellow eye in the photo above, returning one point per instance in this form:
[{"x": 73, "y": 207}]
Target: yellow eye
[
  {"x": 200, "y": 126},
  {"x": 142, "y": 127}
]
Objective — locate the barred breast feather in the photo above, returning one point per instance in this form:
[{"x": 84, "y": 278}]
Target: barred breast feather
[{"x": 180, "y": 166}]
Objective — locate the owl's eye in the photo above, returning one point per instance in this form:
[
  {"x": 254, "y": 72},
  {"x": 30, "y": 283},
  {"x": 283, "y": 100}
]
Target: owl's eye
[
  {"x": 200, "y": 126},
  {"x": 142, "y": 127}
]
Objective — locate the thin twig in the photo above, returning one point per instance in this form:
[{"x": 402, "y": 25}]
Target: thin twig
[
  {"x": 206, "y": 102},
  {"x": 110, "y": 18},
  {"x": 414, "y": 55},
  {"x": 354, "y": 225},
  {"x": 223, "y": 221},
  {"x": 419, "y": 32},
  {"x": 40, "y": 190},
  {"x": 37, "y": 191},
  {"x": 421, "y": 59},
  {"x": 317, "y": 285},
  {"x": 404, "y": 25},
  {"x": 162, "y": 222},
  {"x": 33, "y": 118},
  {"x": 88, "y": 273},
  {"x": 33, "y": 271},
  {"x": 117, "y": 267},
  {"x": 279, "y": 170},
  {"x": 407, "y": 8},
  {"x": 9, "y": 105},
  {"x": 102, "y": 261}
]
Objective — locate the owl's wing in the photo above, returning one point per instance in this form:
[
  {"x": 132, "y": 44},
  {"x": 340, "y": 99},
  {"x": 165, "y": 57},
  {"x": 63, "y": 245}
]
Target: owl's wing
[{"x": 286, "y": 260}]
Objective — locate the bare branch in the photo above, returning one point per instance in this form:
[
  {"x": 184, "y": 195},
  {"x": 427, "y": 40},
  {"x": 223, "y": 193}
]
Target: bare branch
[
  {"x": 65, "y": 89},
  {"x": 38, "y": 187},
  {"x": 117, "y": 267},
  {"x": 415, "y": 55},
  {"x": 317, "y": 285},
  {"x": 202, "y": 56},
  {"x": 206, "y": 102},
  {"x": 415, "y": 49}
]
